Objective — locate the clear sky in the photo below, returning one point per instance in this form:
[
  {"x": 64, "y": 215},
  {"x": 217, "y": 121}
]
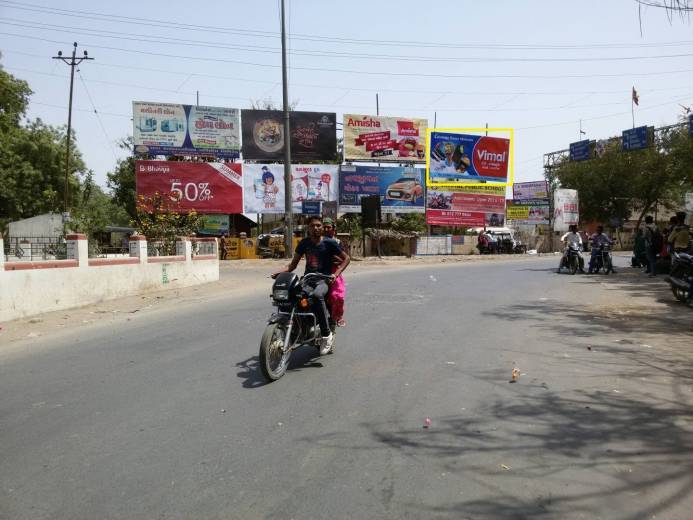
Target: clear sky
[{"x": 536, "y": 65}]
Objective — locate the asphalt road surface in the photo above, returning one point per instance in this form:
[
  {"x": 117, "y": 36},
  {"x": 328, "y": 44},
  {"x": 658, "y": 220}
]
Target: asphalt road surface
[{"x": 168, "y": 417}]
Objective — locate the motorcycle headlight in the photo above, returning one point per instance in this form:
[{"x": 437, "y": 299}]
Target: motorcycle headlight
[{"x": 281, "y": 294}]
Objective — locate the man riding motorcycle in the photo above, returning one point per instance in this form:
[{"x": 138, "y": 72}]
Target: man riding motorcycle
[
  {"x": 320, "y": 253},
  {"x": 571, "y": 237},
  {"x": 598, "y": 239}
]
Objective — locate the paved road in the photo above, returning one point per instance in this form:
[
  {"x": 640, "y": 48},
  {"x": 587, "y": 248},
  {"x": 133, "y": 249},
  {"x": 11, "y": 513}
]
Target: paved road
[{"x": 127, "y": 420}]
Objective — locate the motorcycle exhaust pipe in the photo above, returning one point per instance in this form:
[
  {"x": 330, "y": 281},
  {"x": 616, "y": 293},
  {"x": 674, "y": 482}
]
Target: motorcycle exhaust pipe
[{"x": 679, "y": 283}]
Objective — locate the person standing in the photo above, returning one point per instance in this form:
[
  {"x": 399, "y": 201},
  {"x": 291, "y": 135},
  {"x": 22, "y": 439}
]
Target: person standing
[
  {"x": 653, "y": 243},
  {"x": 679, "y": 238},
  {"x": 223, "y": 249}
]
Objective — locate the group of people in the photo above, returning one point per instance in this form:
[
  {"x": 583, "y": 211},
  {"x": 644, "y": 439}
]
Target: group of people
[
  {"x": 652, "y": 244},
  {"x": 324, "y": 255},
  {"x": 597, "y": 240}
]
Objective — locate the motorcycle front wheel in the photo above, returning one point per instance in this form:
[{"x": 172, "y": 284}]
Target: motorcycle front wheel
[
  {"x": 679, "y": 293},
  {"x": 273, "y": 361},
  {"x": 573, "y": 265}
]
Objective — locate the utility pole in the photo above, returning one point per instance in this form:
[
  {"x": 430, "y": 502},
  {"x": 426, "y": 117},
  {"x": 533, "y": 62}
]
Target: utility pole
[
  {"x": 72, "y": 62},
  {"x": 288, "y": 203}
]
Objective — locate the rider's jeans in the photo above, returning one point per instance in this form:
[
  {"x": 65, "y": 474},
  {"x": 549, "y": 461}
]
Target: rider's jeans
[{"x": 319, "y": 293}]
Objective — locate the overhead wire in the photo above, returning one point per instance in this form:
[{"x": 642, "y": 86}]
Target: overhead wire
[{"x": 98, "y": 117}]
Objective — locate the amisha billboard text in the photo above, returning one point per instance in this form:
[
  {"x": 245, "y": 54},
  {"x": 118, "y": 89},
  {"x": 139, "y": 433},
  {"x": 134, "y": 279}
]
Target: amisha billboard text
[{"x": 383, "y": 139}]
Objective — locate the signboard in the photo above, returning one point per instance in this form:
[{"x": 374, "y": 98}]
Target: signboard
[
  {"x": 313, "y": 135},
  {"x": 530, "y": 190},
  {"x": 565, "y": 209},
  {"x": 204, "y": 187},
  {"x": 689, "y": 201},
  {"x": 310, "y": 207},
  {"x": 401, "y": 189},
  {"x": 635, "y": 138},
  {"x": 580, "y": 150},
  {"x": 463, "y": 157},
  {"x": 215, "y": 225},
  {"x": 264, "y": 186},
  {"x": 528, "y": 212},
  {"x": 690, "y": 125},
  {"x": 169, "y": 129},
  {"x": 382, "y": 139},
  {"x": 468, "y": 206}
]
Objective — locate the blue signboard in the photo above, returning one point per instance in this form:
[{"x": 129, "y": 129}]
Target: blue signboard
[
  {"x": 401, "y": 189},
  {"x": 635, "y": 138},
  {"x": 690, "y": 125},
  {"x": 580, "y": 150},
  {"x": 310, "y": 207}
]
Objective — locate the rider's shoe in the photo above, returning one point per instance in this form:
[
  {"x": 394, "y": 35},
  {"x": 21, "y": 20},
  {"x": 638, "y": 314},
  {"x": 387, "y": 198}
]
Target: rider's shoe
[{"x": 326, "y": 344}]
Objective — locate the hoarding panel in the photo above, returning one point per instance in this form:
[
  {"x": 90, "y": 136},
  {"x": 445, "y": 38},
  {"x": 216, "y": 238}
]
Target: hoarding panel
[
  {"x": 382, "y": 139},
  {"x": 401, "y": 189}
]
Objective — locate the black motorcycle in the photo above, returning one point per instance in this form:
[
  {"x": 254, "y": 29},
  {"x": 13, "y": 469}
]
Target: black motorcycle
[
  {"x": 293, "y": 325},
  {"x": 681, "y": 276},
  {"x": 602, "y": 260},
  {"x": 571, "y": 260}
]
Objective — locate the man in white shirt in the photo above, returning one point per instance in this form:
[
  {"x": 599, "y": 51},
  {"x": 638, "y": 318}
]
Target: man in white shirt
[{"x": 572, "y": 237}]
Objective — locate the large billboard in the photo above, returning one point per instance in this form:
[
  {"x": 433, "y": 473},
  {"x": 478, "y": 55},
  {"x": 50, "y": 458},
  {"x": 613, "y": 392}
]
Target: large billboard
[
  {"x": 264, "y": 186},
  {"x": 401, "y": 189},
  {"x": 383, "y": 139},
  {"x": 468, "y": 158},
  {"x": 534, "y": 212},
  {"x": 204, "y": 187},
  {"x": 468, "y": 206},
  {"x": 169, "y": 129},
  {"x": 313, "y": 135},
  {"x": 530, "y": 190},
  {"x": 566, "y": 209}
]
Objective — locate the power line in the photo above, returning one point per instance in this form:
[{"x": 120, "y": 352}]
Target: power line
[
  {"x": 312, "y": 37},
  {"x": 98, "y": 117}
]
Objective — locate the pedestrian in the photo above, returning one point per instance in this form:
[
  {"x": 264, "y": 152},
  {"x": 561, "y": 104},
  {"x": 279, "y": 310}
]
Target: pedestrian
[
  {"x": 639, "y": 258},
  {"x": 224, "y": 250},
  {"x": 679, "y": 238},
  {"x": 653, "y": 244}
]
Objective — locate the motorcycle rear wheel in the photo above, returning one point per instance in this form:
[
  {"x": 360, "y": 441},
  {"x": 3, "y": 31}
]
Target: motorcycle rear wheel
[
  {"x": 679, "y": 293},
  {"x": 273, "y": 362}
]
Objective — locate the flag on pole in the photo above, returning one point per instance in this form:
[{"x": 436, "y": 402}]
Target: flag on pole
[{"x": 635, "y": 97}]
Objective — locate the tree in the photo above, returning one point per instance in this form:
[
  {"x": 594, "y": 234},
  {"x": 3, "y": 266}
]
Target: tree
[
  {"x": 410, "y": 222},
  {"x": 121, "y": 181},
  {"x": 96, "y": 209}
]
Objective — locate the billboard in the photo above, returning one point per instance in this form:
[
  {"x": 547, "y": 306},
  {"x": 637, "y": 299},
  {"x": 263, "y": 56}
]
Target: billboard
[
  {"x": 215, "y": 225},
  {"x": 313, "y": 135},
  {"x": 204, "y": 187},
  {"x": 264, "y": 186},
  {"x": 463, "y": 157},
  {"x": 401, "y": 189},
  {"x": 170, "y": 129},
  {"x": 468, "y": 206},
  {"x": 565, "y": 209},
  {"x": 528, "y": 212},
  {"x": 530, "y": 190},
  {"x": 382, "y": 139}
]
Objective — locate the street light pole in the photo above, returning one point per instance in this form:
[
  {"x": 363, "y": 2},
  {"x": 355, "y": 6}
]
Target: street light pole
[
  {"x": 288, "y": 208},
  {"x": 72, "y": 62}
]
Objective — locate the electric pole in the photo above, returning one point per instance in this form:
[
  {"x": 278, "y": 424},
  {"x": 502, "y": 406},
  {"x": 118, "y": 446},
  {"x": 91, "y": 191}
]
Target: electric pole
[
  {"x": 288, "y": 203},
  {"x": 72, "y": 62}
]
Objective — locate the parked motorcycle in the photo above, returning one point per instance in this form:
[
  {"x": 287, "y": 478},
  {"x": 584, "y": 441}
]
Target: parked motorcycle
[
  {"x": 602, "y": 260},
  {"x": 681, "y": 277},
  {"x": 293, "y": 325},
  {"x": 571, "y": 260}
]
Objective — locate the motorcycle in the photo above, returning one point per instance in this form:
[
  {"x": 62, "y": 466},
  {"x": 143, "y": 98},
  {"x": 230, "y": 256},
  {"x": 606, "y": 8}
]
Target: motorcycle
[
  {"x": 602, "y": 260},
  {"x": 571, "y": 260},
  {"x": 293, "y": 325},
  {"x": 681, "y": 276}
]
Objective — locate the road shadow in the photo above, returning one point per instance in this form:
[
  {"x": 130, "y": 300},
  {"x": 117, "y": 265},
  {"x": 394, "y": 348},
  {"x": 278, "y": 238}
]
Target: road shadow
[{"x": 251, "y": 373}]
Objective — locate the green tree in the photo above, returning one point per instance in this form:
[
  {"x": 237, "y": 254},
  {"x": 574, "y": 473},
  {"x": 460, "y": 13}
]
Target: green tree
[
  {"x": 96, "y": 209},
  {"x": 410, "y": 222},
  {"x": 121, "y": 181}
]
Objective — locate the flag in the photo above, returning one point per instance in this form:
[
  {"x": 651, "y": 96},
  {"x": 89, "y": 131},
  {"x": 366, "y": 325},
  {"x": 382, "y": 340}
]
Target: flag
[{"x": 636, "y": 98}]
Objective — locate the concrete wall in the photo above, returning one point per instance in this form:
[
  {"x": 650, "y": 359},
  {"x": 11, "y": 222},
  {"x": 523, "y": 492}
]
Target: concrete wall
[
  {"x": 30, "y": 288},
  {"x": 47, "y": 225}
]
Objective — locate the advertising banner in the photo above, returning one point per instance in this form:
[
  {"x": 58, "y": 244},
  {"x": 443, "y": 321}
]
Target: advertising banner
[
  {"x": 169, "y": 129},
  {"x": 468, "y": 206},
  {"x": 382, "y": 139},
  {"x": 565, "y": 209},
  {"x": 463, "y": 157},
  {"x": 264, "y": 186},
  {"x": 215, "y": 225},
  {"x": 204, "y": 187},
  {"x": 313, "y": 135},
  {"x": 526, "y": 212},
  {"x": 530, "y": 190},
  {"x": 401, "y": 189}
]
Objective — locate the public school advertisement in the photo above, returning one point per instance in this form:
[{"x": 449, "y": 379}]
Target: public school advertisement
[
  {"x": 401, "y": 189},
  {"x": 468, "y": 206},
  {"x": 264, "y": 186},
  {"x": 528, "y": 212},
  {"x": 203, "y": 187},
  {"x": 382, "y": 139},
  {"x": 170, "y": 129},
  {"x": 468, "y": 158},
  {"x": 530, "y": 191},
  {"x": 313, "y": 135}
]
